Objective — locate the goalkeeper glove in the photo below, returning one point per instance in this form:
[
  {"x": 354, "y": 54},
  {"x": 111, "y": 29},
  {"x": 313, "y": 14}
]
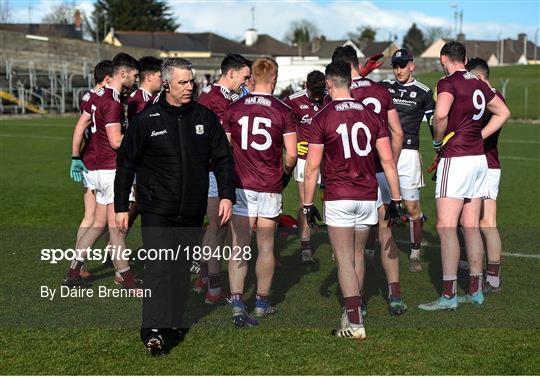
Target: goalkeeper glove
[
  {"x": 312, "y": 215},
  {"x": 77, "y": 167},
  {"x": 393, "y": 213},
  {"x": 302, "y": 148},
  {"x": 371, "y": 64}
]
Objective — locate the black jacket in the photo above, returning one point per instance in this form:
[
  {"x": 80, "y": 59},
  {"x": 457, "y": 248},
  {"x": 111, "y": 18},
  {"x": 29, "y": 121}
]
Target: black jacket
[{"x": 169, "y": 148}]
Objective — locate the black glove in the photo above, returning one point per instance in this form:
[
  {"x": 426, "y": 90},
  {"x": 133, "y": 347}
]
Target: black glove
[
  {"x": 312, "y": 213},
  {"x": 393, "y": 213},
  {"x": 286, "y": 179}
]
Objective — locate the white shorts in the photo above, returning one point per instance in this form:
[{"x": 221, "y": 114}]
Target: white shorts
[
  {"x": 350, "y": 213},
  {"x": 212, "y": 186},
  {"x": 298, "y": 173},
  {"x": 132, "y": 197},
  {"x": 257, "y": 204},
  {"x": 105, "y": 186},
  {"x": 493, "y": 179},
  {"x": 462, "y": 177},
  {"x": 89, "y": 179},
  {"x": 411, "y": 178}
]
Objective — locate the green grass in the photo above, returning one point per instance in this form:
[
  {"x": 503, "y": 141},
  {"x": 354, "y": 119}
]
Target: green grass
[
  {"x": 520, "y": 77},
  {"x": 41, "y": 208}
]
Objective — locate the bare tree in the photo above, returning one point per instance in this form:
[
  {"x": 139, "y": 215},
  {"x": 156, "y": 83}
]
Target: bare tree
[
  {"x": 5, "y": 12},
  {"x": 432, "y": 33},
  {"x": 60, "y": 14}
]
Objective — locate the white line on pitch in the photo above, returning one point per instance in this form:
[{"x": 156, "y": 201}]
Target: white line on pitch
[{"x": 505, "y": 253}]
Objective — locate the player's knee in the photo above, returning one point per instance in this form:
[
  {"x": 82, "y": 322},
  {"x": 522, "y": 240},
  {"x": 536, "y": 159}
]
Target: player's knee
[
  {"x": 413, "y": 209},
  {"x": 470, "y": 222},
  {"x": 486, "y": 223}
]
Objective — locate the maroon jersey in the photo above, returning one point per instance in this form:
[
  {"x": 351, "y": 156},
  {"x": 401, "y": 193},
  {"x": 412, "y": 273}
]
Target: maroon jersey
[
  {"x": 108, "y": 110},
  {"x": 304, "y": 109},
  {"x": 257, "y": 124},
  {"x": 137, "y": 101},
  {"x": 490, "y": 144},
  {"x": 348, "y": 132},
  {"x": 375, "y": 97},
  {"x": 471, "y": 96},
  {"x": 88, "y": 153},
  {"x": 217, "y": 98}
]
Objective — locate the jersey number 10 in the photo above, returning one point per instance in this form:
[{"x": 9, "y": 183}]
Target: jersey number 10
[{"x": 344, "y": 133}]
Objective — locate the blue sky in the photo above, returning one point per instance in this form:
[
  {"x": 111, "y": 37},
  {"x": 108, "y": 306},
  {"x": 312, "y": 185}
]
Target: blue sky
[{"x": 482, "y": 19}]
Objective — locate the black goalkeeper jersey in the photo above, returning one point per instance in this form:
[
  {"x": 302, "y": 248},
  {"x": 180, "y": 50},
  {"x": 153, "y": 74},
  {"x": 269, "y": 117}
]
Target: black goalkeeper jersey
[{"x": 412, "y": 101}]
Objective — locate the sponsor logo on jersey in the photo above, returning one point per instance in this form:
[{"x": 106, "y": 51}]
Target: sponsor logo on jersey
[
  {"x": 348, "y": 106},
  {"x": 199, "y": 129},
  {"x": 256, "y": 100},
  {"x": 154, "y": 115},
  {"x": 306, "y": 119},
  {"x": 158, "y": 133}
]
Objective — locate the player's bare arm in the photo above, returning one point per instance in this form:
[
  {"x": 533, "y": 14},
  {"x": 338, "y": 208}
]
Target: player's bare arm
[
  {"x": 83, "y": 123},
  {"x": 442, "y": 109},
  {"x": 389, "y": 166},
  {"x": 311, "y": 171},
  {"x": 114, "y": 134},
  {"x": 500, "y": 114},
  {"x": 289, "y": 141},
  {"x": 396, "y": 132}
]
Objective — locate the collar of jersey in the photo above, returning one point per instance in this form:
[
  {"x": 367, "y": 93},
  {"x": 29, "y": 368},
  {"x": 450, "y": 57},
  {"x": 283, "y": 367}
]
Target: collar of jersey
[
  {"x": 260, "y": 94},
  {"x": 110, "y": 87},
  {"x": 344, "y": 99}
]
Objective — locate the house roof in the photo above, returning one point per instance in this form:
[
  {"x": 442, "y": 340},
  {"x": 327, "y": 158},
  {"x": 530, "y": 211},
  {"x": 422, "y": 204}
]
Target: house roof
[
  {"x": 512, "y": 51},
  {"x": 173, "y": 41},
  {"x": 268, "y": 45},
  {"x": 47, "y": 30},
  {"x": 373, "y": 48}
]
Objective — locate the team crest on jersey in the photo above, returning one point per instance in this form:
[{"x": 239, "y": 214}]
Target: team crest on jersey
[
  {"x": 199, "y": 129},
  {"x": 413, "y": 94}
]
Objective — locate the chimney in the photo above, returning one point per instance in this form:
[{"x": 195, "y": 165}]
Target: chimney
[
  {"x": 251, "y": 37},
  {"x": 77, "y": 20},
  {"x": 522, "y": 37},
  {"x": 460, "y": 37}
]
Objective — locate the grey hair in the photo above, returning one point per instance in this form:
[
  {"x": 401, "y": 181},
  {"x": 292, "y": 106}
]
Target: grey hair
[{"x": 170, "y": 63}]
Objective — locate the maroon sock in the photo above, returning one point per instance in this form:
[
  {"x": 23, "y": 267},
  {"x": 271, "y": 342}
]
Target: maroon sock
[
  {"x": 494, "y": 269},
  {"x": 237, "y": 296},
  {"x": 393, "y": 291},
  {"x": 415, "y": 228},
  {"x": 449, "y": 285},
  {"x": 305, "y": 245},
  {"x": 75, "y": 269},
  {"x": 352, "y": 304},
  {"x": 214, "y": 281},
  {"x": 129, "y": 279},
  {"x": 475, "y": 283},
  {"x": 258, "y": 296}
]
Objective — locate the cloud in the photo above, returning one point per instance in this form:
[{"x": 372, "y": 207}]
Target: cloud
[{"x": 334, "y": 19}]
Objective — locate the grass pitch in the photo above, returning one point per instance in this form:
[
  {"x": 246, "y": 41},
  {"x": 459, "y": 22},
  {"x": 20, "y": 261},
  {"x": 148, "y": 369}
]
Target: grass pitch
[{"x": 41, "y": 207}]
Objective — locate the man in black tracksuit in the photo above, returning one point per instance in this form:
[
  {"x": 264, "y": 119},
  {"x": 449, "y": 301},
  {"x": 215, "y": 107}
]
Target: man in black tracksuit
[{"x": 169, "y": 145}]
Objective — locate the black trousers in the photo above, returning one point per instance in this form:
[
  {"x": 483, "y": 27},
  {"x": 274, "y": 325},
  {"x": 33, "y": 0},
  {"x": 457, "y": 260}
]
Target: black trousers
[{"x": 168, "y": 241}]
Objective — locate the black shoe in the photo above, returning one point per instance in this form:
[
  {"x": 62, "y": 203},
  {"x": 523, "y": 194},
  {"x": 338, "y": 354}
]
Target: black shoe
[
  {"x": 155, "y": 344},
  {"x": 76, "y": 283}
]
